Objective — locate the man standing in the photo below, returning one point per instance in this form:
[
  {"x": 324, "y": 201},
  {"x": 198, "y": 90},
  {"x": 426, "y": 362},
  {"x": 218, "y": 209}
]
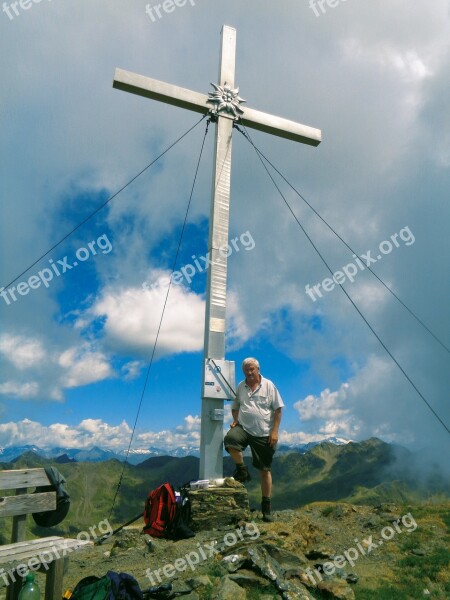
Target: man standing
[{"x": 256, "y": 414}]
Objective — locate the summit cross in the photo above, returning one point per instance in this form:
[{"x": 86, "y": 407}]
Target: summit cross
[{"x": 225, "y": 107}]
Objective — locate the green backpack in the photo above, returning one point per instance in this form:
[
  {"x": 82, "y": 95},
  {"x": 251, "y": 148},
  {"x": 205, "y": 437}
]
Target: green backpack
[
  {"x": 93, "y": 588},
  {"x": 113, "y": 586}
]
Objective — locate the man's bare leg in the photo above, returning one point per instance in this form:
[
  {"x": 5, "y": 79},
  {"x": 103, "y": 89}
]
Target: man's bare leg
[
  {"x": 266, "y": 483},
  {"x": 236, "y": 455}
]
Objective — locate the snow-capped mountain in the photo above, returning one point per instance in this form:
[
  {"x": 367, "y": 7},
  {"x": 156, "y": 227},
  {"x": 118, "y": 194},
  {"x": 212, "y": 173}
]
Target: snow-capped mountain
[{"x": 136, "y": 455}]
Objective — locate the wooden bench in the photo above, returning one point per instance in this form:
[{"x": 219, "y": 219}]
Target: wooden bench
[{"x": 45, "y": 555}]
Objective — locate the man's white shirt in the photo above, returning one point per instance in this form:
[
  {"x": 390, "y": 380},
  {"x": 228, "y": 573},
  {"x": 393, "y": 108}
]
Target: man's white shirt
[{"x": 257, "y": 408}]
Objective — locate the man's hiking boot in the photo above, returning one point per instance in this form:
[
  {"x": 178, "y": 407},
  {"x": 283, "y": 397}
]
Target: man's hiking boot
[
  {"x": 266, "y": 509},
  {"x": 241, "y": 474}
]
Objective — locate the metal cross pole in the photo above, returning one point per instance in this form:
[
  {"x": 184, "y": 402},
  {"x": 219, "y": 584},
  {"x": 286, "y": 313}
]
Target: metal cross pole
[{"x": 226, "y": 110}]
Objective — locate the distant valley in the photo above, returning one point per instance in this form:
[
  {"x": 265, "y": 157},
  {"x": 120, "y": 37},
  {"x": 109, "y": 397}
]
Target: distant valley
[{"x": 367, "y": 472}]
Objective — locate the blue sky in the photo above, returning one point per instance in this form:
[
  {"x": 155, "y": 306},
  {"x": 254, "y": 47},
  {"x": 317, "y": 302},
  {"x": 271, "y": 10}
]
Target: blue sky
[{"x": 373, "y": 76}]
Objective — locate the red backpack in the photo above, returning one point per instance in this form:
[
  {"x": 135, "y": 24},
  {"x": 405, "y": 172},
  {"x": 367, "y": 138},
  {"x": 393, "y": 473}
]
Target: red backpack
[{"x": 160, "y": 511}]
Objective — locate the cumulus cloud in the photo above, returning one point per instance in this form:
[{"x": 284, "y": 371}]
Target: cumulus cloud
[
  {"x": 131, "y": 369},
  {"x": 325, "y": 406},
  {"x": 132, "y": 315},
  {"x": 83, "y": 366},
  {"x": 378, "y": 89},
  {"x": 191, "y": 424},
  {"x": 23, "y": 353},
  {"x": 49, "y": 372},
  {"x": 300, "y": 437},
  {"x": 19, "y": 390},
  {"x": 371, "y": 403},
  {"x": 96, "y": 432},
  {"x": 168, "y": 439}
]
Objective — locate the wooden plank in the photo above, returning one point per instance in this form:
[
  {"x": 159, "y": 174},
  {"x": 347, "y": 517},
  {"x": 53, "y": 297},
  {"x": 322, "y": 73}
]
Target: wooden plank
[
  {"x": 43, "y": 550},
  {"x": 19, "y": 527},
  {"x": 22, "y": 478},
  {"x": 25, "y": 504},
  {"x": 34, "y": 545},
  {"x": 54, "y": 580},
  {"x": 13, "y": 589}
]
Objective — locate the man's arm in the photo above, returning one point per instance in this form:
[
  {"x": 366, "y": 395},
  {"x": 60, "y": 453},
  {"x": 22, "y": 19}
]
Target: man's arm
[
  {"x": 273, "y": 435},
  {"x": 235, "y": 413}
]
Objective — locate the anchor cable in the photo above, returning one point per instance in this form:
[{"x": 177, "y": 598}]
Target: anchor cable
[
  {"x": 101, "y": 206},
  {"x": 147, "y": 375},
  {"x": 247, "y": 136},
  {"x": 390, "y": 290}
]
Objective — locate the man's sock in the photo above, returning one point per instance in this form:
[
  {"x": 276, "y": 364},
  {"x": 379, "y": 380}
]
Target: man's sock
[{"x": 266, "y": 508}]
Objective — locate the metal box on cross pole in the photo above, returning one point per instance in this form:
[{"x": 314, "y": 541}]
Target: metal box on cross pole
[{"x": 218, "y": 379}]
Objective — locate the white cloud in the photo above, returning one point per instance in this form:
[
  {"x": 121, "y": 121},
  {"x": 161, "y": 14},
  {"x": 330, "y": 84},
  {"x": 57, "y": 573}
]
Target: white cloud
[
  {"x": 376, "y": 401},
  {"x": 238, "y": 330},
  {"x": 191, "y": 424},
  {"x": 325, "y": 406},
  {"x": 132, "y": 369},
  {"x": 20, "y": 390},
  {"x": 96, "y": 432},
  {"x": 168, "y": 439},
  {"x": 82, "y": 366},
  {"x": 300, "y": 437},
  {"x": 47, "y": 373},
  {"x": 379, "y": 90},
  {"x": 88, "y": 433},
  {"x": 132, "y": 318},
  {"x": 23, "y": 353},
  {"x": 406, "y": 62}
]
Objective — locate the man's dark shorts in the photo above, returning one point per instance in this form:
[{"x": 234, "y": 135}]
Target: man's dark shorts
[{"x": 262, "y": 453}]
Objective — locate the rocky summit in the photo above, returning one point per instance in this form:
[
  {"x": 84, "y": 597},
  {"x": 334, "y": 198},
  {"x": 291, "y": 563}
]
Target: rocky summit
[{"x": 323, "y": 550}]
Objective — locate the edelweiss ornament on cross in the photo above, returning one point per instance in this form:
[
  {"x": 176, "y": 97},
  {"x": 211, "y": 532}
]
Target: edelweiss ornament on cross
[
  {"x": 226, "y": 99},
  {"x": 226, "y": 110}
]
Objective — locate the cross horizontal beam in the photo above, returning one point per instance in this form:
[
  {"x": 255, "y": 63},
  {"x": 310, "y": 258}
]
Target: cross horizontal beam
[
  {"x": 158, "y": 90},
  {"x": 194, "y": 101}
]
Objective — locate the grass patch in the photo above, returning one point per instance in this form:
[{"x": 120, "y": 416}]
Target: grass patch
[
  {"x": 386, "y": 593},
  {"x": 414, "y": 574},
  {"x": 425, "y": 567},
  {"x": 217, "y": 570},
  {"x": 205, "y": 593},
  {"x": 325, "y": 512},
  {"x": 446, "y": 519},
  {"x": 256, "y": 592}
]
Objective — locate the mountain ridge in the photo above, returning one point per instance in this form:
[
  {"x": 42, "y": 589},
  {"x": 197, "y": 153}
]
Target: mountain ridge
[
  {"x": 97, "y": 454},
  {"x": 370, "y": 472}
]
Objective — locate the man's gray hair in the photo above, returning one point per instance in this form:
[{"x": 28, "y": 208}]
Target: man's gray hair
[{"x": 250, "y": 361}]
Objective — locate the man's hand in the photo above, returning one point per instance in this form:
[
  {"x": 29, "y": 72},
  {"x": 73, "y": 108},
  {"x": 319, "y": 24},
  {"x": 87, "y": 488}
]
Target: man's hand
[
  {"x": 234, "y": 423},
  {"x": 272, "y": 439},
  {"x": 273, "y": 435}
]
